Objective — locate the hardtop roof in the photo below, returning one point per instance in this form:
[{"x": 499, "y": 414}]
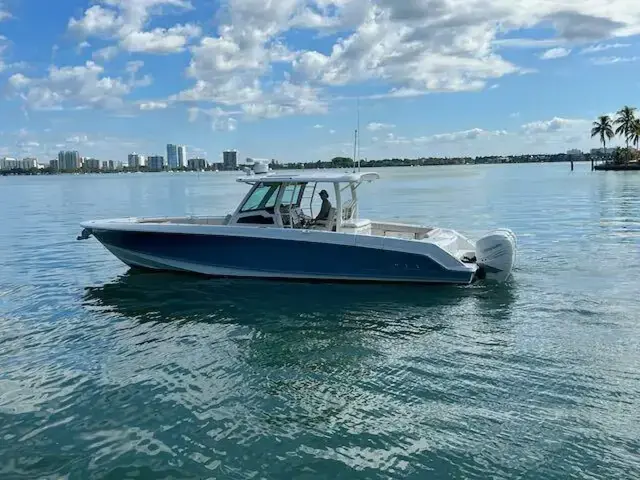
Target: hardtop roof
[{"x": 312, "y": 177}]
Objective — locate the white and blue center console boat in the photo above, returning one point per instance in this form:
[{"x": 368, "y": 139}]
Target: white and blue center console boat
[{"x": 273, "y": 234}]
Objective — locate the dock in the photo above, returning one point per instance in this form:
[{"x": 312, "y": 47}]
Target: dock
[{"x": 618, "y": 167}]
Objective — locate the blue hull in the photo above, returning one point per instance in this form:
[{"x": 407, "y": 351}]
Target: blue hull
[{"x": 221, "y": 255}]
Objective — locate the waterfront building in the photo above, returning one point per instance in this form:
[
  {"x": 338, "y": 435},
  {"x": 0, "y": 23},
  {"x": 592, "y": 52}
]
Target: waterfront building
[
  {"x": 136, "y": 160},
  {"x": 182, "y": 156},
  {"x": 8, "y": 163},
  {"x": 230, "y": 159},
  {"x": 197, "y": 164},
  {"x": 28, "y": 163},
  {"x": 69, "y": 160},
  {"x": 91, "y": 164},
  {"x": 156, "y": 163},
  {"x": 173, "y": 160},
  {"x": 172, "y": 156}
]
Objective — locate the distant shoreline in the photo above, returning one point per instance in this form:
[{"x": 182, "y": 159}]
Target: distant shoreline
[{"x": 338, "y": 163}]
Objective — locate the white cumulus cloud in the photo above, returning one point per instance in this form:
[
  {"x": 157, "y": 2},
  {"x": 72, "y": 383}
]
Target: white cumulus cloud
[
  {"x": 82, "y": 86},
  {"x": 374, "y": 126},
  {"x": 556, "y": 124},
  {"x": 557, "y": 52},
  {"x": 124, "y": 21}
]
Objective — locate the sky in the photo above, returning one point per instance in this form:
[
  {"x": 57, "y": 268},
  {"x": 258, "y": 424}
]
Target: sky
[{"x": 288, "y": 79}]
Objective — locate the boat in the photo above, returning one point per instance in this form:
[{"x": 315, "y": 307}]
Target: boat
[{"x": 273, "y": 234}]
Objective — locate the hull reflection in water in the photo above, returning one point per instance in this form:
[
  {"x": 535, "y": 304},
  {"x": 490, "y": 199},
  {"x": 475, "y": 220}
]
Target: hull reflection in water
[{"x": 169, "y": 297}]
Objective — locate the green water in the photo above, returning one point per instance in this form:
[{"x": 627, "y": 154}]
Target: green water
[{"x": 108, "y": 374}]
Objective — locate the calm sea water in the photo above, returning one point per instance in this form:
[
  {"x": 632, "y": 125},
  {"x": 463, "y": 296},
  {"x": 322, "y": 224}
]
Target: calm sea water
[{"x": 108, "y": 374}]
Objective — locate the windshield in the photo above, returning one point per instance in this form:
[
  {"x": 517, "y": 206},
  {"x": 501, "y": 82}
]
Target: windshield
[
  {"x": 262, "y": 197},
  {"x": 293, "y": 194}
]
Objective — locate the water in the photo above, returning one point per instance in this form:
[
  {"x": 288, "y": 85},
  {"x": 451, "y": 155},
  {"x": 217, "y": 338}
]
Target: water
[{"x": 107, "y": 374}]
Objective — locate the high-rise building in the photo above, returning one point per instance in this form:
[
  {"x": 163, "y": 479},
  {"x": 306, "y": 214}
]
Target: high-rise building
[
  {"x": 182, "y": 156},
  {"x": 230, "y": 159},
  {"x": 156, "y": 163},
  {"x": 136, "y": 160},
  {"x": 172, "y": 156},
  {"x": 69, "y": 160},
  {"x": 54, "y": 165},
  {"x": 8, "y": 163},
  {"x": 176, "y": 156},
  {"x": 91, "y": 164},
  {"x": 197, "y": 164},
  {"x": 29, "y": 163}
]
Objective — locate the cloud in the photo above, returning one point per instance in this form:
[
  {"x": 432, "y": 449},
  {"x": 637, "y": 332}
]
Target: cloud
[
  {"x": 225, "y": 124},
  {"x": 161, "y": 40},
  {"x": 374, "y": 127},
  {"x": 221, "y": 120},
  {"x": 77, "y": 139},
  {"x": 528, "y": 42},
  {"x": 556, "y": 124},
  {"x": 152, "y": 105},
  {"x": 249, "y": 63},
  {"x": 4, "y": 13},
  {"x": 79, "y": 87},
  {"x": 318, "y": 126},
  {"x": 83, "y": 45},
  {"x": 105, "y": 54},
  {"x": 397, "y": 140},
  {"x": 553, "y": 53},
  {"x": 603, "y": 47},
  {"x": 124, "y": 21},
  {"x": 134, "y": 66},
  {"x": 287, "y": 99},
  {"x": 28, "y": 144},
  {"x": 410, "y": 49},
  {"x": 612, "y": 60},
  {"x": 465, "y": 135},
  {"x": 4, "y": 48},
  {"x": 459, "y": 137},
  {"x": 97, "y": 21}
]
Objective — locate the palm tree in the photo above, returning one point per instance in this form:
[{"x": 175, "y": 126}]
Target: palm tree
[
  {"x": 634, "y": 136},
  {"x": 604, "y": 128},
  {"x": 625, "y": 120}
]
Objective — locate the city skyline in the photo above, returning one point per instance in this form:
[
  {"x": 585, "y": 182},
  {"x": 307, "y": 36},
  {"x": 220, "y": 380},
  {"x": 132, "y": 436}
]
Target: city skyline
[{"x": 284, "y": 79}]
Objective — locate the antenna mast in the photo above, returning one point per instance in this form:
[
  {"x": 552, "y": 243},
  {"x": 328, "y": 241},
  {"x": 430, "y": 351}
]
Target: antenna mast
[
  {"x": 358, "y": 134},
  {"x": 356, "y": 144},
  {"x": 355, "y": 148}
]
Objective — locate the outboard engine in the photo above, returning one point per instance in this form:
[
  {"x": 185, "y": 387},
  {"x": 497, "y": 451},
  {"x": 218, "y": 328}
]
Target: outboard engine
[{"x": 496, "y": 254}]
